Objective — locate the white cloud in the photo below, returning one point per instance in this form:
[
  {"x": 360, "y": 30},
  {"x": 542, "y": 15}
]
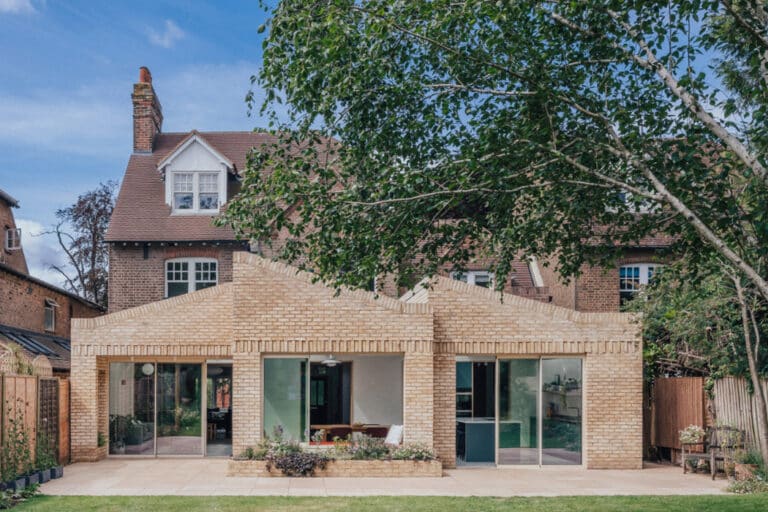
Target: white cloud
[
  {"x": 168, "y": 37},
  {"x": 79, "y": 122},
  {"x": 16, "y": 6},
  {"x": 41, "y": 251}
]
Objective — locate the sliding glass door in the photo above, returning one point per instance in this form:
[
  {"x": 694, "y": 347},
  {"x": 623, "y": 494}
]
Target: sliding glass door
[
  {"x": 285, "y": 397},
  {"x": 540, "y": 411},
  {"x": 561, "y": 387},
  {"x": 179, "y": 405},
  {"x": 132, "y": 409},
  {"x": 518, "y": 417}
]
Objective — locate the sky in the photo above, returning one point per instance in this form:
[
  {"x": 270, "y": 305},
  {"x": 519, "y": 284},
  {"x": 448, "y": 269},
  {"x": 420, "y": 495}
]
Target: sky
[{"x": 67, "y": 70}]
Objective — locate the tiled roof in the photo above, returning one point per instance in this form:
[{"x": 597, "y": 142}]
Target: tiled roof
[
  {"x": 141, "y": 214},
  {"x": 55, "y": 348}
]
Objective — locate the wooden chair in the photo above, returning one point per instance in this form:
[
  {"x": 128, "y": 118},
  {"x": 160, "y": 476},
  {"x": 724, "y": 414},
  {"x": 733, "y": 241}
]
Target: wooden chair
[{"x": 719, "y": 443}]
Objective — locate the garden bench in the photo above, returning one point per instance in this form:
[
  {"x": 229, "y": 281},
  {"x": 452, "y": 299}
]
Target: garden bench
[{"x": 719, "y": 444}]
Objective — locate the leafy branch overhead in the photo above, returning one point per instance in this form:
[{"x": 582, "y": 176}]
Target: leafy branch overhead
[{"x": 423, "y": 134}]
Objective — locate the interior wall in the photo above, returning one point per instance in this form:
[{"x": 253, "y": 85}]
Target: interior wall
[
  {"x": 377, "y": 389},
  {"x": 121, "y": 388}
]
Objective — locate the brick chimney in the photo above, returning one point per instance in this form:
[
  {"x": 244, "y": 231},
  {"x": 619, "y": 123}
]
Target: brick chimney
[{"x": 147, "y": 113}]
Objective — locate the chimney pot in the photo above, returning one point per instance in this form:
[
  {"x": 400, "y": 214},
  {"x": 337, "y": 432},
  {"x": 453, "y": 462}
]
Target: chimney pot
[{"x": 144, "y": 75}]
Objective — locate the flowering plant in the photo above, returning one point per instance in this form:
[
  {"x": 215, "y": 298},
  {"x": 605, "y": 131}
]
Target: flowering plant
[{"x": 691, "y": 434}]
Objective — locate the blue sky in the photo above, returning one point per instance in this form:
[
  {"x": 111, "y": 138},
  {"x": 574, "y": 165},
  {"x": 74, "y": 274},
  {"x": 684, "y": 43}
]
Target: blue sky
[{"x": 67, "y": 73}]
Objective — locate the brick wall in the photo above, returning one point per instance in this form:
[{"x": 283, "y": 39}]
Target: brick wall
[
  {"x": 597, "y": 288},
  {"x": 473, "y": 321},
  {"x": 22, "y": 305},
  {"x": 272, "y": 309},
  {"x": 135, "y": 279},
  {"x": 614, "y": 417},
  {"x": 14, "y": 259}
]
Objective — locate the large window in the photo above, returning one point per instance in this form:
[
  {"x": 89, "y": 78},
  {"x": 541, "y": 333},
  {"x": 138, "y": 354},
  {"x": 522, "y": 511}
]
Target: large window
[
  {"x": 195, "y": 192},
  {"x": 132, "y": 408},
  {"x": 184, "y": 275},
  {"x": 633, "y": 277},
  {"x": 477, "y": 277}
]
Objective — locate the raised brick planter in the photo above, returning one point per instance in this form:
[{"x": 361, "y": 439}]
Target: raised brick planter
[{"x": 347, "y": 468}]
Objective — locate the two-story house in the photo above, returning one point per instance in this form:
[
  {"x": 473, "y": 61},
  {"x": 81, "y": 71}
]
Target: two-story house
[
  {"x": 35, "y": 316},
  {"x": 209, "y": 346}
]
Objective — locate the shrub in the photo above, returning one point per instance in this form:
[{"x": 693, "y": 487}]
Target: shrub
[
  {"x": 15, "y": 454},
  {"x": 297, "y": 463},
  {"x": 412, "y": 452},
  {"x": 748, "y": 457},
  {"x": 748, "y": 486},
  {"x": 368, "y": 448}
]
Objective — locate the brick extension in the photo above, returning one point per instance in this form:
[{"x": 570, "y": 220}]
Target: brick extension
[{"x": 270, "y": 308}]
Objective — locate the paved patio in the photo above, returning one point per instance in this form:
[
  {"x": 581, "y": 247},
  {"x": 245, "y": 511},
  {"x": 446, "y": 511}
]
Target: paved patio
[{"x": 206, "y": 477}]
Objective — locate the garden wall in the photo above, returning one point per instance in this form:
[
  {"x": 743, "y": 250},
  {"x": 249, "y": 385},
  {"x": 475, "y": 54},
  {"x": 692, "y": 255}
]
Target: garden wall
[{"x": 347, "y": 468}]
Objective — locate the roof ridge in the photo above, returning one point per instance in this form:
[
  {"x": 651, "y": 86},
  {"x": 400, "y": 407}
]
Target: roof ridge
[
  {"x": 371, "y": 298},
  {"x": 160, "y": 305},
  {"x": 505, "y": 298}
]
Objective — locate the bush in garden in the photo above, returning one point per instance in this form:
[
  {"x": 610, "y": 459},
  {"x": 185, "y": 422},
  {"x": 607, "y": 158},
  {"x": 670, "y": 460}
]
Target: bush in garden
[
  {"x": 412, "y": 452},
  {"x": 297, "y": 463}
]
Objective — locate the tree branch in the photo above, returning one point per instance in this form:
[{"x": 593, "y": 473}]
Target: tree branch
[{"x": 651, "y": 63}]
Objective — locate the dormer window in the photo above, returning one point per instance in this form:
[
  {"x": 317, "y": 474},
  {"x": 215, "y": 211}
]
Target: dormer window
[
  {"x": 196, "y": 192},
  {"x": 195, "y": 177}
]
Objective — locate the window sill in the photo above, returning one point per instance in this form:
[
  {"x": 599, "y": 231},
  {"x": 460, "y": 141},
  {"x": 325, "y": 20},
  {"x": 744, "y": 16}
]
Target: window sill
[{"x": 195, "y": 213}]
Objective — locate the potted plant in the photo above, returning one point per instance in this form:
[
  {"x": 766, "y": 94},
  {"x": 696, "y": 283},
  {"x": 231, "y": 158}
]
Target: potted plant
[
  {"x": 692, "y": 434},
  {"x": 746, "y": 463}
]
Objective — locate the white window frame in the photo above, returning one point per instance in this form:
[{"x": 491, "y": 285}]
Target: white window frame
[
  {"x": 12, "y": 239},
  {"x": 472, "y": 275},
  {"x": 196, "y": 210},
  {"x": 50, "y": 306},
  {"x": 646, "y": 272},
  {"x": 191, "y": 278}
]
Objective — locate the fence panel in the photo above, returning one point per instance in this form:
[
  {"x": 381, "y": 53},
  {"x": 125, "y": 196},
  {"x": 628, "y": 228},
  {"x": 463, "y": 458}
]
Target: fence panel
[
  {"x": 63, "y": 421},
  {"x": 20, "y": 399},
  {"x": 677, "y": 403},
  {"x": 736, "y": 406}
]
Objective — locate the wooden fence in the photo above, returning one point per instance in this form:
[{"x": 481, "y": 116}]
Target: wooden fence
[
  {"x": 676, "y": 403},
  {"x": 44, "y": 404},
  {"x": 735, "y": 405}
]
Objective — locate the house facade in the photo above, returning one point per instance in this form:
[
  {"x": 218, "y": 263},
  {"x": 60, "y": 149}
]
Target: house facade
[
  {"x": 35, "y": 316},
  {"x": 210, "y": 344},
  {"x": 479, "y": 377}
]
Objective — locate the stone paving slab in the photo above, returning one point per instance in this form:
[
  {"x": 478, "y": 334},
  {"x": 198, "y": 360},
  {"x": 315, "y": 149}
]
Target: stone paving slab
[{"x": 206, "y": 477}]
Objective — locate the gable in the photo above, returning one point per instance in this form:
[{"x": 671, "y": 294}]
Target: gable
[
  {"x": 274, "y": 301},
  {"x": 471, "y": 314}
]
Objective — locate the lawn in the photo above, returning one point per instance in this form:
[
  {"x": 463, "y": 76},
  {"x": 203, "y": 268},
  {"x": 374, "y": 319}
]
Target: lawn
[{"x": 401, "y": 504}]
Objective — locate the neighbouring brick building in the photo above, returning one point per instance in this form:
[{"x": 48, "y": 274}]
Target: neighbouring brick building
[
  {"x": 209, "y": 346},
  {"x": 35, "y": 316}
]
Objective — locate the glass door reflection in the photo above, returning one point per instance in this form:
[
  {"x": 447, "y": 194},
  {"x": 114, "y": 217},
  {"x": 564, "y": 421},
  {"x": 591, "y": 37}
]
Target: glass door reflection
[
  {"x": 561, "y": 397},
  {"x": 179, "y": 421},
  {"x": 518, "y": 418}
]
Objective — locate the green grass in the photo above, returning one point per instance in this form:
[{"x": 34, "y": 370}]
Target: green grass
[{"x": 398, "y": 504}]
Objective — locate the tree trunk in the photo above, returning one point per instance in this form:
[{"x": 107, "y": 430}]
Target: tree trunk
[{"x": 762, "y": 407}]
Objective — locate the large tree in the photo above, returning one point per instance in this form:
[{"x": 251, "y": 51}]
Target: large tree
[
  {"x": 417, "y": 134},
  {"x": 424, "y": 133},
  {"x": 80, "y": 232}
]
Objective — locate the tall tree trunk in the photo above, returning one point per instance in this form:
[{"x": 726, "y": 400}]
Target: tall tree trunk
[{"x": 762, "y": 407}]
